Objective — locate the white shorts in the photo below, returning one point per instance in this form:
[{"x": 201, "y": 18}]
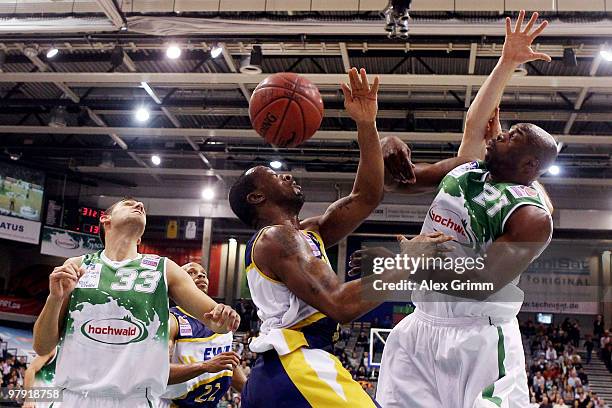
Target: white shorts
[
  {"x": 453, "y": 363},
  {"x": 80, "y": 400}
]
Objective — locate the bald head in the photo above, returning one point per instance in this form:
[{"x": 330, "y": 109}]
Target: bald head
[
  {"x": 541, "y": 144},
  {"x": 521, "y": 154}
]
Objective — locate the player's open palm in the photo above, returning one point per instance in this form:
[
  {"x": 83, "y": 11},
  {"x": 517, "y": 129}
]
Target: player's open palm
[
  {"x": 517, "y": 47},
  {"x": 360, "y": 98},
  {"x": 64, "y": 279}
]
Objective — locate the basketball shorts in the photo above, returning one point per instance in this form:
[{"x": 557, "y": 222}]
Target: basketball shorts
[
  {"x": 80, "y": 400},
  {"x": 453, "y": 363},
  {"x": 302, "y": 378}
]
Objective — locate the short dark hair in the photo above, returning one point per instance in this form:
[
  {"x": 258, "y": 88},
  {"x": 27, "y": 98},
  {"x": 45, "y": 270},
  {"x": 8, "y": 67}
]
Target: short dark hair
[
  {"x": 110, "y": 210},
  {"x": 242, "y": 187}
]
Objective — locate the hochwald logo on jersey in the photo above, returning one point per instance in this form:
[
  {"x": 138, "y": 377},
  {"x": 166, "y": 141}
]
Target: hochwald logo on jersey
[
  {"x": 446, "y": 219},
  {"x": 114, "y": 331}
]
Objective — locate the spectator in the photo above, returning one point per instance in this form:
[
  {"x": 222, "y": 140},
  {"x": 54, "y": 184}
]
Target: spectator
[
  {"x": 589, "y": 345},
  {"x": 354, "y": 360},
  {"x": 560, "y": 403},
  {"x": 538, "y": 380},
  {"x": 545, "y": 402},
  {"x": 598, "y": 327},
  {"x": 362, "y": 340},
  {"x": 387, "y": 323},
  {"x": 605, "y": 339},
  {"x": 551, "y": 353}
]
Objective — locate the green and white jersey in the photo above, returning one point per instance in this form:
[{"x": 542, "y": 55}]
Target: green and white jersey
[
  {"x": 115, "y": 341},
  {"x": 44, "y": 377},
  {"x": 474, "y": 211}
]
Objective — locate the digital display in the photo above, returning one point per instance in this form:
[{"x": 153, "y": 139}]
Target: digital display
[
  {"x": 88, "y": 212},
  {"x": 21, "y": 192},
  {"x": 91, "y": 229},
  {"x": 544, "y": 318}
]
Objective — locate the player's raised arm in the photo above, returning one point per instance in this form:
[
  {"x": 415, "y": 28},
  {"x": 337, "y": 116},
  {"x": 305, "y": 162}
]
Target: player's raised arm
[
  {"x": 346, "y": 214},
  {"x": 181, "y": 288},
  {"x": 517, "y": 50},
  {"x": 48, "y": 326}
]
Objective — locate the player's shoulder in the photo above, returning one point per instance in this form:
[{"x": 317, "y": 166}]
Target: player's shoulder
[{"x": 276, "y": 236}]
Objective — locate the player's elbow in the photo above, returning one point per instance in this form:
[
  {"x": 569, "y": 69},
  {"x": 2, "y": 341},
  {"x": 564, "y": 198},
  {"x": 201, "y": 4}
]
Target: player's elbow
[
  {"x": 40, "y": 348},
  {"x": 370, "y": 197}
]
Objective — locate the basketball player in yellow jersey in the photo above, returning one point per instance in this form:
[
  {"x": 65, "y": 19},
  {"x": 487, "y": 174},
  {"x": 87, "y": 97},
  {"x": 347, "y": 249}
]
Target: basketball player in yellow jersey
[{"x": 299, "y": 297}]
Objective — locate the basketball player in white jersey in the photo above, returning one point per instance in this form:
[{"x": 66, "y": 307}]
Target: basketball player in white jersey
[
  {"x": 202, "y": 363},
  {"x": 450, "y": 352},
  {"x": 108, "y": 311},
  {"x": 299, "y": 298}
]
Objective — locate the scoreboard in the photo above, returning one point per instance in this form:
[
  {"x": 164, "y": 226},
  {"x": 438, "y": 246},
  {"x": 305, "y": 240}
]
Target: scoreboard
[
  {"x": 89, "y": 220},
  {"x": 74, "y": 217}
]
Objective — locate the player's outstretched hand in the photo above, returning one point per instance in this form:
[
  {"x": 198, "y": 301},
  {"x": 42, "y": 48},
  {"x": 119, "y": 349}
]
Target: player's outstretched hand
[
  {"x": 365, "y": 256},
  {"x": 64, "y": 279},
  {"x": 517, "y": 47},
  {"x": 223, "y": 319},
  {"x": 223, "y": 361},
  {"x": 360, "y": 98},
  {"x": 397, "y": 157}
]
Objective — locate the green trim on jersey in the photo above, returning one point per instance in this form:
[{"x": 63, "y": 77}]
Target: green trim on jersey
[{"x": 46, "y": 375}]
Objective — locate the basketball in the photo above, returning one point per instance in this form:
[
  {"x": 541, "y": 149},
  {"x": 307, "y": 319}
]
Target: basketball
[{"x": 286, "y": 109}]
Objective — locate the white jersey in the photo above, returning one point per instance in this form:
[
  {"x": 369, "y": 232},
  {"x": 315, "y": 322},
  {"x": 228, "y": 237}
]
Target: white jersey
[
  {"x": 474, "y": 211},
  {"x": 115, "y": 342},
  {"x": 277, "y": 306}
]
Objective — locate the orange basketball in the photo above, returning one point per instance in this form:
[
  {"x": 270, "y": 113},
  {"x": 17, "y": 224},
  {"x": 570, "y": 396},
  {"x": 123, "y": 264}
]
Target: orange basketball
[{"x": 286, "y": 109}]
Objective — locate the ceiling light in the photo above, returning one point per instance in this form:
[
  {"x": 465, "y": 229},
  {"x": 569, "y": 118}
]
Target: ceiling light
[
  {"x": 252, "y": 64},
  {"x": 216, "y": 51},
  {"x": 156, "y": 160},
  {"x": 173, "y": 51},
  {"x": 58, "y": 117},
  {"x": 208, "y": 193},
  {"x": 554, "y": 170},
  {"x": 52, "y": 52},
  {"x": 275, "y": 164},
  {"x": 569, "y": 57},
  {"x": 142, "y": 114},
  {"x": 606, "y": 54}
]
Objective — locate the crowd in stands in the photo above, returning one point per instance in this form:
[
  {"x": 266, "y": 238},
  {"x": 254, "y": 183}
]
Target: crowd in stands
[{"x": 555, "y": 372}]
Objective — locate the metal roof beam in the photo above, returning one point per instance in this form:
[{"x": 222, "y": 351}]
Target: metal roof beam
[
  {"x": 169, "y": 133},
  {"x": 184, "y": 79},
  {"x": 582, "y": 95},
  {"x": 300, "y": 174}
]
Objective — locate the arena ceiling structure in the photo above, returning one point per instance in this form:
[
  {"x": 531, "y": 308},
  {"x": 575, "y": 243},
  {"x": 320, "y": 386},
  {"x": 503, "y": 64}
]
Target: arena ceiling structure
[{"x": 76, "y": 77}]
